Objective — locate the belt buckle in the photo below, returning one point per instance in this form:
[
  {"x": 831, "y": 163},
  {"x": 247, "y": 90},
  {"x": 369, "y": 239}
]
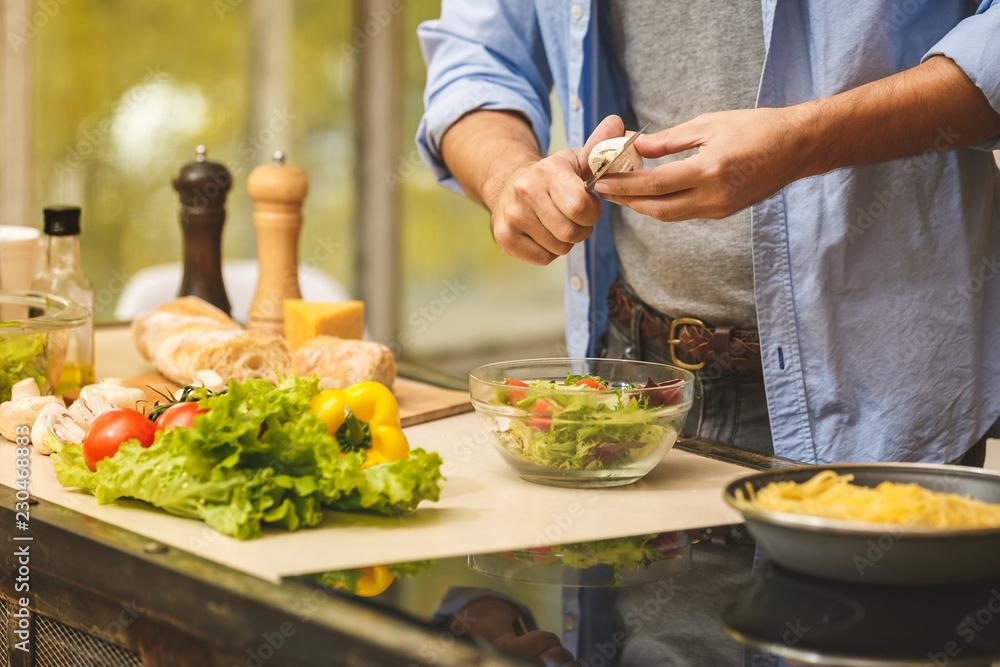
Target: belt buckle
[{"x": 674, "y": 340}]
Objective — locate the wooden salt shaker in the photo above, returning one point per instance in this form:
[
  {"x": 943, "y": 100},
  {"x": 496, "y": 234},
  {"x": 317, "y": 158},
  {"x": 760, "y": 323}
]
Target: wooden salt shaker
[
  {"x": 203, "y": 187},
  {"x": 277, "y": 191}
]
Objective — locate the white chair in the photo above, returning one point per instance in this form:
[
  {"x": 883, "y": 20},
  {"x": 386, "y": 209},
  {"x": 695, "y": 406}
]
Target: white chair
[{"x": 158, "y": 284}]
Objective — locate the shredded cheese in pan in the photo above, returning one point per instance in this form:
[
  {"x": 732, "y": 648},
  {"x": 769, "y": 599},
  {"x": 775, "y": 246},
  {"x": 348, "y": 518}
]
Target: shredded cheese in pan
[{"x": 830, "y": 495}]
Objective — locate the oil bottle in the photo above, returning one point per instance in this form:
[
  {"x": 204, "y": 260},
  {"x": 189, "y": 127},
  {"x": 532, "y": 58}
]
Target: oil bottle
[{"x": 63, "y": 277}]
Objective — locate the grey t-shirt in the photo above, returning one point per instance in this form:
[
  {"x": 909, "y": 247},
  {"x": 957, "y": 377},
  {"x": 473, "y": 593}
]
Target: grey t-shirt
[{"x": 683, "y": 59}]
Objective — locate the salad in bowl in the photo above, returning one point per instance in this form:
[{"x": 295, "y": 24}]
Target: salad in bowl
[{"x": 582, "y": 422}]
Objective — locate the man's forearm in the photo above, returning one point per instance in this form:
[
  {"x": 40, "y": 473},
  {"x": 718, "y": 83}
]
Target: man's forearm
[
  {"x": 483, "y": 148},
  {"x": 933, "y": 106}
]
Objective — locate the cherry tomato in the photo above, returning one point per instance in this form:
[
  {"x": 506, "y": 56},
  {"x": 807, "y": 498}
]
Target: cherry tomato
[
  {"x": 543, "y": 422},
  {"x": 514, "y": 395},
  {"x": 179, "y": 415},
  {"x": 593, "y": 383},
  {"x": 113, "y": 428}
]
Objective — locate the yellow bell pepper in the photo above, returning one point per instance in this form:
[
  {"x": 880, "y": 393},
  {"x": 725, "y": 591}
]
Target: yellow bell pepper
[
  {"x": 373, "y": 581},
  {"x": 363, "y": 416}
]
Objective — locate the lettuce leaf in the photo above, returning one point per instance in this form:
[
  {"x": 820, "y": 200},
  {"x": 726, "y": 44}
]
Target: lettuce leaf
[
  {"x": 259, "y": 457},
  {"x": 22, "y": 356},
  {"x": 624, "y": 554},
  {"x": 569, "y": 426},
  {"x": 585, "y": 434}
]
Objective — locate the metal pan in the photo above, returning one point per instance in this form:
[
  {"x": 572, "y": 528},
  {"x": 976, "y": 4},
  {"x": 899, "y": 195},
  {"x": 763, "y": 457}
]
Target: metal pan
[{"x": 878, "y": 553}]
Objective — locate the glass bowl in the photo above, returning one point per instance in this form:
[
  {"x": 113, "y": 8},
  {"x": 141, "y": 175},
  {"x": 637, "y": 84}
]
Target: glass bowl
[
  {"x": 572, "y": 434},
  {"x": 34, "y": 334}
]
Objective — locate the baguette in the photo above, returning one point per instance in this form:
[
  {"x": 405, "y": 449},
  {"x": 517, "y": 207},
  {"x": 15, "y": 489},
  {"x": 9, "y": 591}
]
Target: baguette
[
  {"x": 235, "y": 355},
  {"x": 187, "y": 335},
  {"x": 341, "y": 362},
  {"x": 187, "y": 313}
]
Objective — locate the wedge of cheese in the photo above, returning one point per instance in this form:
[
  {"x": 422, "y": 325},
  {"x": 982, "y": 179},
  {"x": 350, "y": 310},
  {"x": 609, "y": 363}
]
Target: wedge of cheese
[{"x": 304, "y": 320}]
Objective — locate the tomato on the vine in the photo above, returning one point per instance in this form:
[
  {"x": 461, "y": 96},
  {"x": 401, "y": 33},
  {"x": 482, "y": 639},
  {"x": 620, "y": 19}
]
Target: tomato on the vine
[
  {"x": 179, "y": 415},
  {"x": 111, "y": 429}
]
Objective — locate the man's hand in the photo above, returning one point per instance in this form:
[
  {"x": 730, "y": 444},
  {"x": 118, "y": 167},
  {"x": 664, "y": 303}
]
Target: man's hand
[
  {"x": 541, "y": 210},
  {"x": 538, "y": 206},
  {"x": 493, "y": 619},
  {"x": 743, "y": 157}
]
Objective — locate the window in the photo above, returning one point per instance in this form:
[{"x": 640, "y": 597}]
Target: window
[{"x": 105, "y": 99}]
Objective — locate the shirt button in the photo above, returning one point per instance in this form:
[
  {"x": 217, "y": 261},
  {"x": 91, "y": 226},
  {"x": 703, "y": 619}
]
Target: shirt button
[
  {"x": 577, "y": 12},
  {"x": 576, "y": 283},
  {"x": 568, "y": 622},
  {"x": 574, "y": 102}
]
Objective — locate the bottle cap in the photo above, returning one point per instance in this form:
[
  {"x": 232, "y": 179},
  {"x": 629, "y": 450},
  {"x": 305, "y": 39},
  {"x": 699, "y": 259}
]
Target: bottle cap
[{"x": 62, "y": 220}]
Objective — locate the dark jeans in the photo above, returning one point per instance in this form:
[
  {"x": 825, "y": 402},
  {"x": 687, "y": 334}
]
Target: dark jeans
[{"x": 727, "y": 408}]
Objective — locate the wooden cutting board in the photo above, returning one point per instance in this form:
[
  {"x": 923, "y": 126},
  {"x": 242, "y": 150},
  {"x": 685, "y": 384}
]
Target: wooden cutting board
[{"x": 419, "y": 402}]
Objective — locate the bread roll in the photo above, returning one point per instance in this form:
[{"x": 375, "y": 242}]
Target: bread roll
[
  {"x": 341, "y": 362},
  {"x": 188, "y": 313}
]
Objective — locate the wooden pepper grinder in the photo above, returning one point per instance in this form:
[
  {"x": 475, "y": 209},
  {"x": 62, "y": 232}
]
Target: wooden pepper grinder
[
  {"x": 203, "y": 187},
  {"x": 277, "y": 191}
]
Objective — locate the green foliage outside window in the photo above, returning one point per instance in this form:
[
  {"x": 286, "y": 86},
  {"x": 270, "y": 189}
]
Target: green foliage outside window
[{"x": 125, "y": 91}]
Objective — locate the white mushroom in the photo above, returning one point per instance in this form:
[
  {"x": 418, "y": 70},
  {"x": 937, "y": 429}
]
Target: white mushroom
[
  {"x": 607, "y": 150},
  {"x": 24, "y": 388},
  {"x": 22, "y": 408},
  {"x": 56, "y": 419},
  {"x": 209, "y": 379},
  {"x": 96, "y": 399}
]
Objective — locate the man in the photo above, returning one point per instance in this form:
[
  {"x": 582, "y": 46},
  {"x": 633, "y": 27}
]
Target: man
[{"x": 875, "y": 212}]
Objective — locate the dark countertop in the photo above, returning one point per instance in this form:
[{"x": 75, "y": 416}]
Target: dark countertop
[{"x": 701, "y": 597}]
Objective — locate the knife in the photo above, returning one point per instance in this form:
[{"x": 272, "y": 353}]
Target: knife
[{"x": 589, "y": 185}]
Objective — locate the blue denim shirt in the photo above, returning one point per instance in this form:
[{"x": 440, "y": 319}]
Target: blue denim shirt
[{"x": 878, "y": 310}]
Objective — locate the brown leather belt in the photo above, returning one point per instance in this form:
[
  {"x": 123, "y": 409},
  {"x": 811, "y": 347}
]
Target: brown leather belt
[{"x": 692, "y": 344}]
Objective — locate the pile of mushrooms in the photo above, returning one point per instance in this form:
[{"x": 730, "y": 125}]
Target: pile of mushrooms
[{"x": 48, "y": 414}]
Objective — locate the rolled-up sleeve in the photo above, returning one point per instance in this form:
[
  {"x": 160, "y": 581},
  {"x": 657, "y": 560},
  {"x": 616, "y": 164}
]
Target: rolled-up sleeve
[
  {"x": 485, "y": 54},
  {"x": 974, "y": 45}
]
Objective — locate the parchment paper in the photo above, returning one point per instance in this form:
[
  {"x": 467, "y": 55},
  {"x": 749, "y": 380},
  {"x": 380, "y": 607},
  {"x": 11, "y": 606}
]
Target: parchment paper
[{"x": 484, "y": 507}]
